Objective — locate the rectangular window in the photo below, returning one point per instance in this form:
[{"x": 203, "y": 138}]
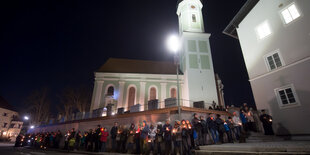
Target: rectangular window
[
  {"x": 263, "y": 30},
  {"x": 192, "y": 47},
  {"x": 5, "y": 114},
  {"x": 286, "y": 96},
  {"x": 290, "y": 13},
  {"x": 203, "y": 46},
  {"x": 5, "y": 124},
  {"x": 273, "y": 60},
  {"x": 205, "y": 62},
  {"x": 193, "y": 61}
]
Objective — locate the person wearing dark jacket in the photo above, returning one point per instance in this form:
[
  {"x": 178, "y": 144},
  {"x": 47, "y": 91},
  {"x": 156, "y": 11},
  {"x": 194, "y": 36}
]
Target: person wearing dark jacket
[
  {"x": 204, "y": 131},
  {"x": 267, "y": 123},
  {"x": 113, "y": 134},
  {"x": 89, "y": 140},
  {"x": 167, "y": 137},
  {"x": 197, "y": 127},
  {"x": 185, "y": 138},
  {"x": 159, "y": 137},
  {"x": 97, "y": 139},
  {"x": 131, "y": 138},
  {"x": 220, "y": 127},
  {"x": 213, "y": 128},
  {"x": 144, "y": 137}
]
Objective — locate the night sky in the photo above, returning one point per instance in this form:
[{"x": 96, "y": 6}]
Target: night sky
[{"x": 57, "y": 44}]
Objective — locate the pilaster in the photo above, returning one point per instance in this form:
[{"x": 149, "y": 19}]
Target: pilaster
[
  {"x": 163, "y": 95},
  {"x": 120, "y": 102},
  {"x": 98, "y": 93},
  {"x": 142, "y": 93}
]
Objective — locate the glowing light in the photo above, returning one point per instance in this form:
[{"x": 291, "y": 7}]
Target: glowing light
[
  {"x": 113, "y": 113},
  {"x": 4, "y": 133},
  {"x": 173, "y": 43},
  {"x": 32, "y": 126},
  {"x": 26, "y": 118},
  {"x": 104, "y": 114}
]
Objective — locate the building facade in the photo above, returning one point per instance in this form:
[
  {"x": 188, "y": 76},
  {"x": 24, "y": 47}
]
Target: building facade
[
  {"x": 126, "y": 83},
  {"x": 274, "y": 38},
  {"x": 10, "y": 125}
]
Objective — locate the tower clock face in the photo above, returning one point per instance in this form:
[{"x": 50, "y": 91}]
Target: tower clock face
[{"x": 193, "y": 7}]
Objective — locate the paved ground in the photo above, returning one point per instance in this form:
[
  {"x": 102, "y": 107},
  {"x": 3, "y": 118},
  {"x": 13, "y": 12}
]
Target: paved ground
[
  {"x": 279, "y": 147},
  {"x": 9, "y": 149}
]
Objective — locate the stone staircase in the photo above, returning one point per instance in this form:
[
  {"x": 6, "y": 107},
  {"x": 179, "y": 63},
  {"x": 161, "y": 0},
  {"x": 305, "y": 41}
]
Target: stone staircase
[
  {"x": 256, "y": 137},
  {"x": 258, "y": 143}
]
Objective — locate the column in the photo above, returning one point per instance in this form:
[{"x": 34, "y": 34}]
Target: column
[
  {"x": 163, "y": 96},
  {"x": 120, "y": 102},
  {"x": 142, "y": 94},
  {"x": 97, "y": 95}
]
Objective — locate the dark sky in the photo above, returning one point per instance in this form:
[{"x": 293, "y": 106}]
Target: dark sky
[{"x": 55, "y": 44}]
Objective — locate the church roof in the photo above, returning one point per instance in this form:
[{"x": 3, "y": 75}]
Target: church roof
[
  {"x": 116, "y": 65},
  {"x": 5, "y": 105}
]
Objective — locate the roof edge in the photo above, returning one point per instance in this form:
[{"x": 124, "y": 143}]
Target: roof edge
[{"x": 230, "y": 29}]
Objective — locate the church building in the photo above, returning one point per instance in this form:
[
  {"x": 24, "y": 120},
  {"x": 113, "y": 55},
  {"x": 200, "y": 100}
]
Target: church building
[{"x": 139, "y": 85}]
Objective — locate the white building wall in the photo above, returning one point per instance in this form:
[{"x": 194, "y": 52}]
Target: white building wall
[{"x": 293, "y": 42}]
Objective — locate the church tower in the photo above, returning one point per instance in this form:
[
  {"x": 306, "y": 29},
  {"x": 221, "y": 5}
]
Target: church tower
[{"x": 195, "y": 56}]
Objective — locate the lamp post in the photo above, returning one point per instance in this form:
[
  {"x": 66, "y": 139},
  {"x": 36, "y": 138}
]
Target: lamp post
[{"x": 173, "y": 44}]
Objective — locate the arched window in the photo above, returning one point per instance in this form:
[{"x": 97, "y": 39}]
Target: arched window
[
  {"x": 173, "y": 93},
  {"x": 131, "y": 96},
  {"x": 153, "y": 93},
  {"x": 110, "y": 91}
]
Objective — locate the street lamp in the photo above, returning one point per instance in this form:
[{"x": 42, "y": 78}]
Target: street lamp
[
  {"x": 173, "y": 44},
  {"x": 26, "y": 118}
]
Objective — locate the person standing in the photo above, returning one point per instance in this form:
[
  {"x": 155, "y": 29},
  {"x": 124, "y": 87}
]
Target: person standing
[
  {"x": 97, "y": 138},
  {"x": 131, "y": 138},
  {"x": 151, "y": 140},
  {"x": 237, "y": 125},
  {"x": 267, "y": 123},
  {"x": 197, "y": 128},
  {"x": 204, "y": 130},
  {"x": 113, "y": 133},
  {"x": 220, "y": 127},
  {"x": 167, "y": 137},
  {"x": 103, "y": 138},
  {"x": 144, "y": 137},
  {"x": 159, "y": 137},
  {"x": 177, "y": 134},
  {"x": 213, "y": 129},
  {"x": 185, "y": 138}
]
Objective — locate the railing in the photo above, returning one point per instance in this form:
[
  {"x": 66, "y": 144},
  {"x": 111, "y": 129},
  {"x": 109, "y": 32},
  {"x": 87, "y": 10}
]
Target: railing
[{"x": 151, "y": 105}]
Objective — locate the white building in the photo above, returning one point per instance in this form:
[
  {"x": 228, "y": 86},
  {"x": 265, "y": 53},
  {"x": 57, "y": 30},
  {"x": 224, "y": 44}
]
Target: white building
[
  {"x": 10, "y": 125},
  {"x": 275, "y": 41},
  {"x": 126, "y": 83}
]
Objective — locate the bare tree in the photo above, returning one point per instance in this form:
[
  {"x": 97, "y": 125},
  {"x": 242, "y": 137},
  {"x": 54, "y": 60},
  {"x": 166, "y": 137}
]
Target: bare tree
[
  {"x": 73, "y": 100},
  {"x": 38, "y": 105}
]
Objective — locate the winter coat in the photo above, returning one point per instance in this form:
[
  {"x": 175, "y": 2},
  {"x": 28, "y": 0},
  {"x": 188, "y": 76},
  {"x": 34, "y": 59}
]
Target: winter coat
[
  {"x": 167, "y": 133},
  {"x": 113, "y": 132},
  {"x": 211, "y": 124},
  {"x": 104, "y": 136}
]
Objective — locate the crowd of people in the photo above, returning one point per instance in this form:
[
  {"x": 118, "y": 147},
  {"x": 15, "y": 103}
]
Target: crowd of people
[{"x": 179, "y": 137}]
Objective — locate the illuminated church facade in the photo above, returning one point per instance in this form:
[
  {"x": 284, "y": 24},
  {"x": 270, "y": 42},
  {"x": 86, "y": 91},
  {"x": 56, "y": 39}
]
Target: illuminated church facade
[{"x": 125, "y": 83}]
